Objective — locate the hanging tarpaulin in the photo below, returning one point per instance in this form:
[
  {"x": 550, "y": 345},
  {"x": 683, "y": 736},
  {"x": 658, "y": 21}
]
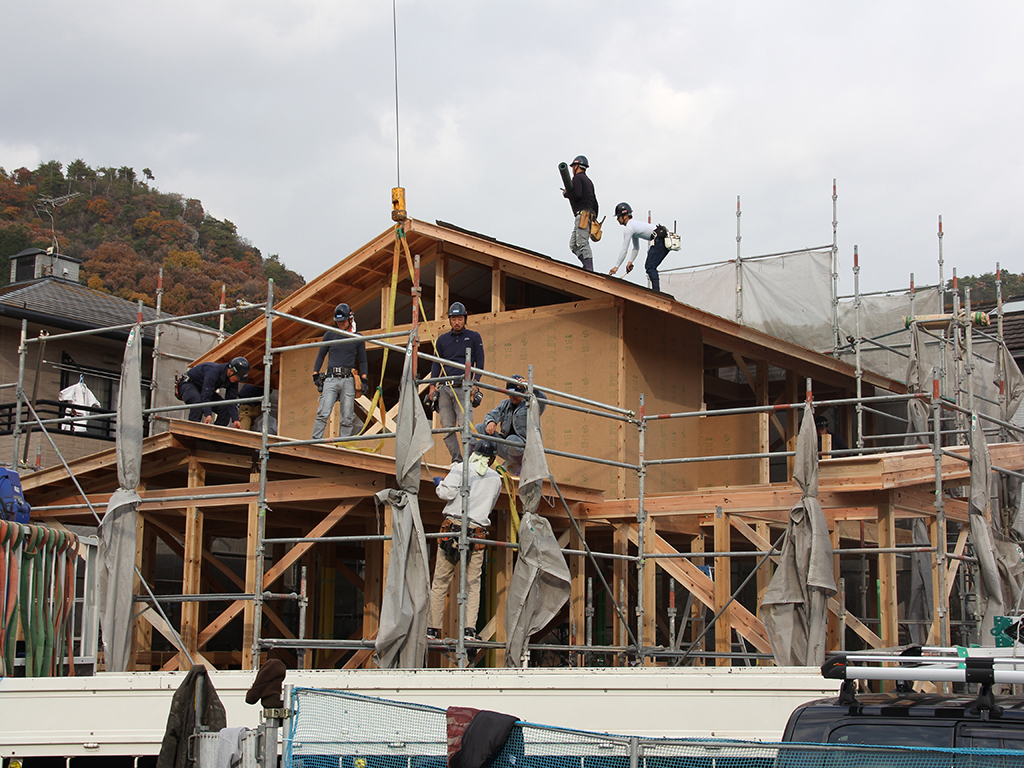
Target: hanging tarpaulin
[
  {"x": 1000, "y": 566},
  {"x": 795, "y": 604},
  {"x": 118, "y": 526},
  {"x": 402, "y": 637},
  {"x": 540, "y": 582}
]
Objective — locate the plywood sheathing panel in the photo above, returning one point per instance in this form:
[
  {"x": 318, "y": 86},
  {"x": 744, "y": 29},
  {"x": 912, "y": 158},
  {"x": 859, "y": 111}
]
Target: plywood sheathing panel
[
  {"x": 663, "y": 360},
  {"x": 729, "y": 436},
  {"x": 572, "y": 348},
  {"x": 298, "y": 398}
]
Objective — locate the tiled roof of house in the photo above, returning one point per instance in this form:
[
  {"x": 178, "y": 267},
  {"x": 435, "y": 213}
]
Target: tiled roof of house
[{"x": 74, "y": 307}]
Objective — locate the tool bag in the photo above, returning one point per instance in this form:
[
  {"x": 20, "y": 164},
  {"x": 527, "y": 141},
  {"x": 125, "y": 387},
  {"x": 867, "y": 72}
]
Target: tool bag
[
  {"x": 671, "y": 240},
  {"x": 13, "y": 506},
  {"x": 178, "y": 381},
  {"x": 595, "y": 229}
]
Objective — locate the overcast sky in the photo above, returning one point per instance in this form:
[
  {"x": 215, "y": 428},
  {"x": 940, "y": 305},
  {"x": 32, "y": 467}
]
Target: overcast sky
[{"x": 280, "y": 116}]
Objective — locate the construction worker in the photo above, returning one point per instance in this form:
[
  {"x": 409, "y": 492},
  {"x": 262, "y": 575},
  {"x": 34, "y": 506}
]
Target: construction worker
[
  {"x": 584, "y": 207},
  {"x": 508, "y": 421},
  {"x": 452, "y": 346},
  {"x": 635, "y": 232},
  {"x": 484, "y": 489},
  {"x": 337, "y": 384},
  {"x": 821, "y": 426},
  {"x": 200, "y": 385}
]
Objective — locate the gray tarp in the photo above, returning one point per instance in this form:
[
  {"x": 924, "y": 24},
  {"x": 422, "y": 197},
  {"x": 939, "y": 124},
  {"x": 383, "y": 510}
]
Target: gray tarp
[
  {"x": 919, "y": 603},
  {"x": 1000, "y": 570},
  {"x": 118, "y": 527},
  {"x": 402, "y": 637},
  {"x": 795, "y": 604},
  {"x": 540, "y": 582}
]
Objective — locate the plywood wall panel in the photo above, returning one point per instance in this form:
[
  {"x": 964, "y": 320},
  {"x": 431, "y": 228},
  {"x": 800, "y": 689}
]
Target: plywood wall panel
[{"x": 664, "y": 361}]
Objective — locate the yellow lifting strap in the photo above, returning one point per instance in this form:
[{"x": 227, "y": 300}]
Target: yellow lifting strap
[{"x": 510, "y": 489}]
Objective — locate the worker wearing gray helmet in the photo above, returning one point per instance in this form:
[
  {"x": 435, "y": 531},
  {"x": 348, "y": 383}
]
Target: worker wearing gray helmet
[
  {"x": 584, "y": 207},
  {"x": 199, "y": 387},
  {"x": 336, "y": 385},
  {"x": 452, "y": 346}
]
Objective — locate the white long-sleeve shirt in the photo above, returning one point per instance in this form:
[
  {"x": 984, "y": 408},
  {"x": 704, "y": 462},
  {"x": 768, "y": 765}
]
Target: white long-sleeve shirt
[
  {"x": 483, "y": 493},
  {"x": 635, "y": 230}
]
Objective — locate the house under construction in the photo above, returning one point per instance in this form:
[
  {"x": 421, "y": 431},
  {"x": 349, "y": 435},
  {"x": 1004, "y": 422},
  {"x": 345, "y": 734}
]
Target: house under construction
[{"x": 669, "y": 437}]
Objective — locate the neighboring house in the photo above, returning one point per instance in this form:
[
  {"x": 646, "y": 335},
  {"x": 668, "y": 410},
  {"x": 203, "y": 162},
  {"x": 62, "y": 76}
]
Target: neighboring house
[{"x": 45, "y": 293}]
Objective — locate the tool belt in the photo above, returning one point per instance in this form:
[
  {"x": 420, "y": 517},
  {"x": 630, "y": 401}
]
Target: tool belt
[
  {"x": 450, "y": 544},
  {"x": 339, "y": 373},
  {"x": 595, "y": 229}
]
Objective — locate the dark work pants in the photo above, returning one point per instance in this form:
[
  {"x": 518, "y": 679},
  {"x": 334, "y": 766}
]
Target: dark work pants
[
  {"x": 191, "y": 395},
  {"x": 656, "y": 254}
]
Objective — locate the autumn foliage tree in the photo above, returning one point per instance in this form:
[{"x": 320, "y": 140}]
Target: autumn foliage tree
[{"x": 124, "y": 231}]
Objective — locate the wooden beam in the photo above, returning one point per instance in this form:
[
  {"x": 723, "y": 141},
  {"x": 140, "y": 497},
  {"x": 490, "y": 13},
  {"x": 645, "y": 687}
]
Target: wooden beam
[
  {"x": 723, "y": 588},
  {"x": 703, "y": 588},
  {"x": 191, "y": 578},
  {"x": 321, "y": 529}
]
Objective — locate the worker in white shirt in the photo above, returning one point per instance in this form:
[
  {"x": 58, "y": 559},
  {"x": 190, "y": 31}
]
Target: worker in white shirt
[{"x": 484, "y": 489}]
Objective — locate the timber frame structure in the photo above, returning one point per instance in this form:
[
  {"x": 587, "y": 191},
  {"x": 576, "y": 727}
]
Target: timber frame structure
[{"x": 663, "y": 438}]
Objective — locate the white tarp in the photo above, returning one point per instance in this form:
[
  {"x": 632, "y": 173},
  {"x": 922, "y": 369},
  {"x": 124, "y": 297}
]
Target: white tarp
[
  {"x": 402, "y": 637},
  {"x": 795, "y": 604},
  {"x": 788, "y": 296},
  {"x": 540, "y": 583},
  {"x": 118, "y": 526}
]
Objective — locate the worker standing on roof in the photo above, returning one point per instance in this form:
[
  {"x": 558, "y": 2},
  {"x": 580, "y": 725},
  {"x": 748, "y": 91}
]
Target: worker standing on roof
[
  {"x": 484, "y": 489},
  {"x": 508, "y": 420},
  {"x": 635, "y": 232},
  {"x": 200, "y": 385},
  {"x": 452, "y": 346},
  {"x": 337, "y": 385},
  {"x": 584, "y": 207}
]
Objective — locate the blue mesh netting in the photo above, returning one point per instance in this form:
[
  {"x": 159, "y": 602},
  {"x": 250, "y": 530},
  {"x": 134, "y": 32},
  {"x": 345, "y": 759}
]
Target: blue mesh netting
[{"x": 336, "y": 729}]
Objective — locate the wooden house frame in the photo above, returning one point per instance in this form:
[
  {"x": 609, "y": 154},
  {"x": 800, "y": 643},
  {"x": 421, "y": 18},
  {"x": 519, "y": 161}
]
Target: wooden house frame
[{"x": 587, "y": 334}]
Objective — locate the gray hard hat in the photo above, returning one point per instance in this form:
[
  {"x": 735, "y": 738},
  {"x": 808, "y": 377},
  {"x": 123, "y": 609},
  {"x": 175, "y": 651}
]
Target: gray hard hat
[{"x": 580, "y": 160}]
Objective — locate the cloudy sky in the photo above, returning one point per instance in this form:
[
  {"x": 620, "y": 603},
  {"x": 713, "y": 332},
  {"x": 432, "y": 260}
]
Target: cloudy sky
[{"x": 280, "y": 116}]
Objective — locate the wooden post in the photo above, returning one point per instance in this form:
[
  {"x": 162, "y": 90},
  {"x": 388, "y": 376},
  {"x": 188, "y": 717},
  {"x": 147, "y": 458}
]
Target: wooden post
[
  {"x": 192, "y": 567},
  {"x": 373, "y": 579},
  {"x": 620, "y": 588},
  {"x": 502, "y": 558},
  {"x": 832, "y": 637},
  {"x": 723, "y": 587},
  {"x": 887, "y": 606},
  {"x": 441, "y": 286},
  {"x": 145, "y": 561},
  {"x": 251, "y": 587},
  {"x": 578, "y": 594},
  {"x": 697, "y": 609},
  {"x": 650, "y": 589}
]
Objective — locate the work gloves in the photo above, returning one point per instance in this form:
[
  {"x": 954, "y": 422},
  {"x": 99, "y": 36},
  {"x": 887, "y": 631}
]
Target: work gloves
[{"x": 318, "y": 380}]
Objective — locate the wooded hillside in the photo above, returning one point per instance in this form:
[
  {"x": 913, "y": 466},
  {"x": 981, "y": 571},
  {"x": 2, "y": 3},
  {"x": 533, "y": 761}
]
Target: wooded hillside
[{"x": 124, "y": 229}]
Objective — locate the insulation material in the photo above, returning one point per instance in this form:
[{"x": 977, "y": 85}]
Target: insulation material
[{"x": 728, "y": 436}]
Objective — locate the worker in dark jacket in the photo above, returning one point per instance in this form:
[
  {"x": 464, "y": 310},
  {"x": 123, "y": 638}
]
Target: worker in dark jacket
[
  {"x": 584, "y": 207},
  {"x": 452, "y": 346},
  {"x": 200, "y": 385},
  {"x": 508, "y": 420}
]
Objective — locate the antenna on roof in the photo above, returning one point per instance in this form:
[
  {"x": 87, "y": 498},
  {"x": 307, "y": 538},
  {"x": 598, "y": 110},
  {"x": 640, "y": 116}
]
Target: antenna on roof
[{"x": 51, "y": 204}]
